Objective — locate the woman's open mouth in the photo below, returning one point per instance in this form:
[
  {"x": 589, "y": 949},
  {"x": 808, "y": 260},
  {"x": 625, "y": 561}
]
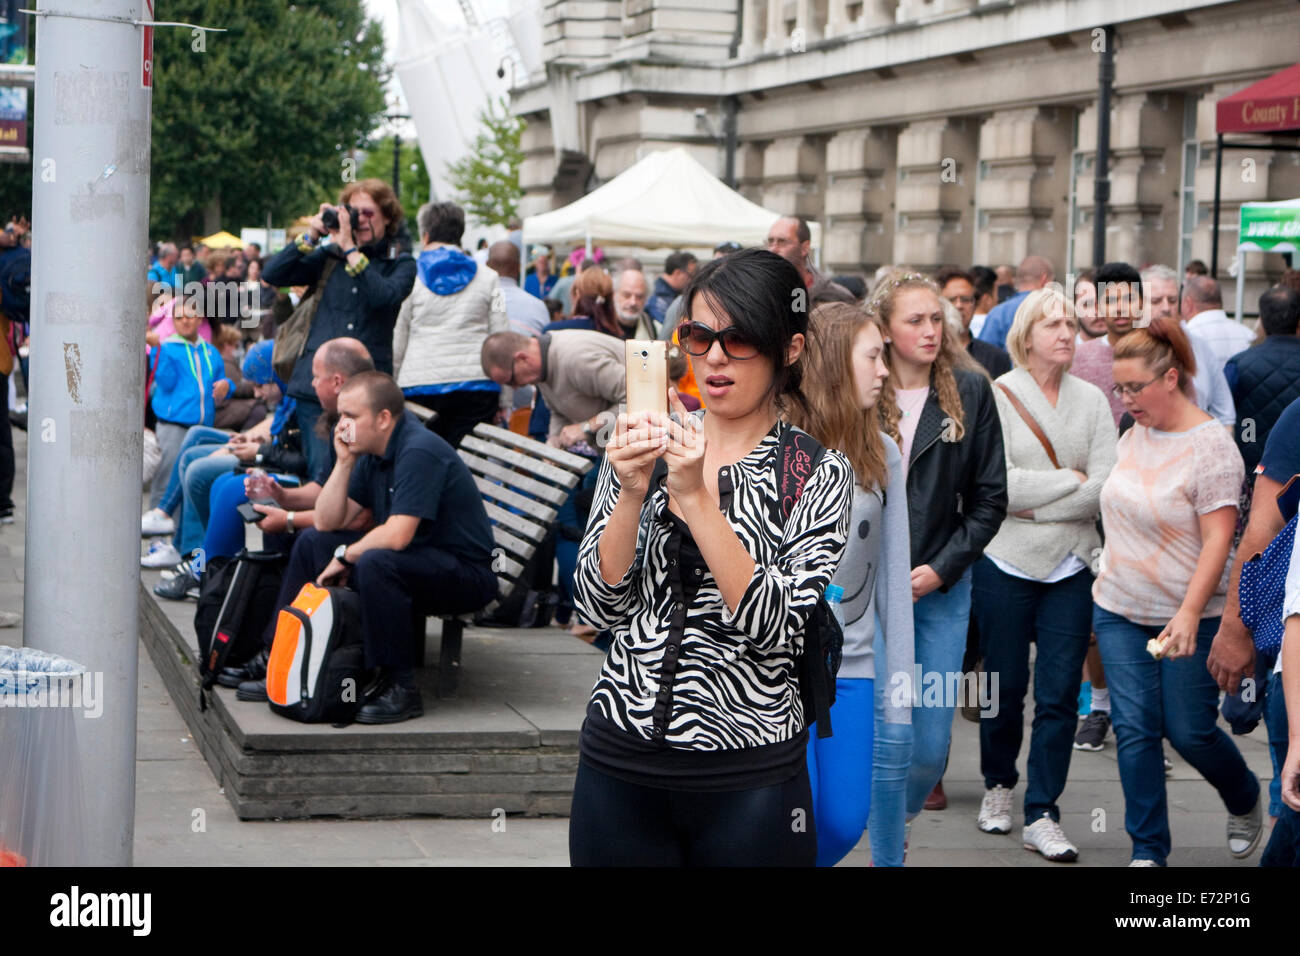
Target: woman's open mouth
[{"x": 718, "y": 385}]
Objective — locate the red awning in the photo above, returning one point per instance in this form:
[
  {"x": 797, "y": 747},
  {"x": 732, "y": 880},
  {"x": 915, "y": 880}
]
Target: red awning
[{"x": 1270, "y": 106}]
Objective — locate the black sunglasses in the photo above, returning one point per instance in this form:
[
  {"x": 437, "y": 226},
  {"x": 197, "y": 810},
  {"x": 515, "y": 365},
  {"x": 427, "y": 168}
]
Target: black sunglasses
[{"x": 696, "y": 339}]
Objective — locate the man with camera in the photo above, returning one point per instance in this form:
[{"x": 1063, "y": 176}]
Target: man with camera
[{"x": 350, "y": 254}]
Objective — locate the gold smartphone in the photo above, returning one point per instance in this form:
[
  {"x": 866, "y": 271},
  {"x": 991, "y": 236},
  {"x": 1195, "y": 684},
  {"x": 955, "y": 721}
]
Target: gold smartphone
[{"x": 647, "y": 376}]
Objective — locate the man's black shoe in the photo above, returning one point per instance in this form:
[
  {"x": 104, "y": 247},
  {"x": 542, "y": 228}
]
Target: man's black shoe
[
  {"x": 253, "y": 669},
  {"x": 252, "y": 690},
  {"x": 396, "y": 703}
]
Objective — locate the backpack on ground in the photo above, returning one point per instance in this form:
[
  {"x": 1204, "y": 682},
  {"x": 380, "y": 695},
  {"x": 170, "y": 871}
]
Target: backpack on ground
[
  {"x": 317, "y": 664},
  {"x": 237, "y": 599}
]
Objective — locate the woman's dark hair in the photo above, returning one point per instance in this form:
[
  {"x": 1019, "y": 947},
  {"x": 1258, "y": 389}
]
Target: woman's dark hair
[{"x": 765, "y": 298}]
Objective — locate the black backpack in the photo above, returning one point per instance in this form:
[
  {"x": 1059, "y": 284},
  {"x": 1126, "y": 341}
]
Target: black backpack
[
  {"x": 823, "y": 638},
  {"x": 236, "y": 603},
  {"x": 796, "y": 460}
]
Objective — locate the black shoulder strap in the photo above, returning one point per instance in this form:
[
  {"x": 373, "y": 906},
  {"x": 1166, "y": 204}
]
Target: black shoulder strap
[{"x": 796, "y": 460}]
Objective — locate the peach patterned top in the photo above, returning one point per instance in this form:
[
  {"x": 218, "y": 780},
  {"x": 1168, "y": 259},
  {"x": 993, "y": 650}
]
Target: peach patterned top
[{"x": 1161, "y": 483}]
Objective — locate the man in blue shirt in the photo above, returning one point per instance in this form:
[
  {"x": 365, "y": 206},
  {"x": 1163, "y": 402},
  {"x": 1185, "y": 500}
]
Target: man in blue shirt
[
  {"x": 1033, "y": 273},
  {"x": 430, "y": 547}
]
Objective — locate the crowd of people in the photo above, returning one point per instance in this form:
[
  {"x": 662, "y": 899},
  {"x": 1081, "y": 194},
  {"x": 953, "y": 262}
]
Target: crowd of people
[{"x": 1003, "y": 460}]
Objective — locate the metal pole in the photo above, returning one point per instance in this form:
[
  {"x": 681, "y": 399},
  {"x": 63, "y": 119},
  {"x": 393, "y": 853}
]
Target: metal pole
[
  {"x": 90, "y": 205},
  {"x": 1101, "y": 174},
  {"x": 397, "y": 163},
  {"x": 1218, "y": 186}
]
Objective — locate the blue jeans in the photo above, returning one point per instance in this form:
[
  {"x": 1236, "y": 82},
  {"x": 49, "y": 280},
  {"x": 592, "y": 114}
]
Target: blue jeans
[
  {"x": 197, "y": 436},
  {"x": 839, "y": 770},
  {"x": 939, "y": 621},
  {"x": 890, "y": 759},
  {"x": 1176, "y": 699},
  {"x": 317, "y": 450},
  {"x": 566, "y": 548},
  {"x": 1012, "y": 613},
  {"x": 1278, "y": 738},
  {"x": 200, "y": 472}
]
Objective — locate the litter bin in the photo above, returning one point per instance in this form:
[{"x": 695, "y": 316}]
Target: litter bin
[{"x": 42, "y": 813}]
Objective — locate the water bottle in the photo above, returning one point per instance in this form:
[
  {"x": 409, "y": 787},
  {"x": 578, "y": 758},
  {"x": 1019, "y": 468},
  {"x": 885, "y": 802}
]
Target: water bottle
[{"x": 834, "y": 597}]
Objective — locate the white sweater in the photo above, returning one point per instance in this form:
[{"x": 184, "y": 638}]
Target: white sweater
[
  {"x": 1082, "y": 431},
  {"x": 438, "y": 338}
]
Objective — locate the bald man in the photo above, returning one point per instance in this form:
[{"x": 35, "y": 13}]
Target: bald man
[
  {"x": 1201, "y": 311},
  {"x": 1032, "y": 274},
  {"x": 526, "y": 313}
]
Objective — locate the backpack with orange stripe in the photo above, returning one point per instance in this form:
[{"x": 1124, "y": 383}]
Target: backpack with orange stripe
[{"x": 317, "y": 663}]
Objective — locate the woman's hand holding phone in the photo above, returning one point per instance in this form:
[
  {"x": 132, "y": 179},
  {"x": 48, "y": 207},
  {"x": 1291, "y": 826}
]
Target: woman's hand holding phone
[
  {"x": 684, "y": 452},
  {"x": 639, "y": 438}
]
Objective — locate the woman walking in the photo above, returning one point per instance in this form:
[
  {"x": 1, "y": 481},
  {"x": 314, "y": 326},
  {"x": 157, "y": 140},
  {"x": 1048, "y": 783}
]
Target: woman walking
[
  {"x": 1034, "y": 583},
  {"x": 844, "y": 374},
  {"x": 1169, "y": 509},
  {"x": 940, "y": 412},
  {"x": 694, "y": 747}
]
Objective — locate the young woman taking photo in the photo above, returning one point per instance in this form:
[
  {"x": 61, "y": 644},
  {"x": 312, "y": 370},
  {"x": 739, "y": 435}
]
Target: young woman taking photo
[
  {"x": 939, "y": 409},
  {"x": 693, "y": 752},
  {"x": 844, "y": 374}
]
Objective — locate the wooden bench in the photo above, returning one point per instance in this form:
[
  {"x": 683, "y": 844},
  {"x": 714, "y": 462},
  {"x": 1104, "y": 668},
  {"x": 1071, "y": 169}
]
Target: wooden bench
[{"x": 523, "y": 483}]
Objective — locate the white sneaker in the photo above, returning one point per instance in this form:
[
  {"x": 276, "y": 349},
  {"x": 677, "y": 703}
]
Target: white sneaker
[
  {"x": 156, "y": 521},
  {"x": 1143, "y": 862},
  {"x": 161, "y": 555},
  {"x": 1244, "y": 832},
  {"x": 1045, "y": 836},
  {"x": 995, "y": 811}
]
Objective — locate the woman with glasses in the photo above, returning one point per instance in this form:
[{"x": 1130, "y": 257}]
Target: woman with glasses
[
  {"x": 844, "y": 374},
  {"x": 1034, "y": 583},
  {"x": 938, "y": 407},
  {"x": 693, "y": 751},
  {"x": 1169, "y": 509}
]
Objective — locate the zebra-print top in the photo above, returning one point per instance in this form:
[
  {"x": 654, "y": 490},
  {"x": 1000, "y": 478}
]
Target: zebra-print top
[{"x": 721, "y": 681}]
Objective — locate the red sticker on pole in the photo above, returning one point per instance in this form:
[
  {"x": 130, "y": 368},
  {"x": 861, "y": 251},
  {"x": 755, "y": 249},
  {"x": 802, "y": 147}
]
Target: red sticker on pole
[{"x": 146, "y": 53}]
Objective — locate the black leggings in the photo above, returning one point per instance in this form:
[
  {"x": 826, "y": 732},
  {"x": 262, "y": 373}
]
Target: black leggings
[{"x": 624, "y": 824}]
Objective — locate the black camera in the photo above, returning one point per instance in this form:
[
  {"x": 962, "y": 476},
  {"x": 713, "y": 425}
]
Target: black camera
[{"x": 330, "y": 218}]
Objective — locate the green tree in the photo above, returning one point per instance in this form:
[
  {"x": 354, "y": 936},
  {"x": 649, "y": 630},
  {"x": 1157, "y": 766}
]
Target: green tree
[
  {"x": 378, "y": 164},
  {"x": 487, "y": 179},
  {"x": 262, "y": 118}
]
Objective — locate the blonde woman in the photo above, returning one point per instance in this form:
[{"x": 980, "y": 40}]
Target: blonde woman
[
  {"x": 943, "y": 417},
  {"x": 844, "y": 374},
  {"x": 1034, "y": 583}
]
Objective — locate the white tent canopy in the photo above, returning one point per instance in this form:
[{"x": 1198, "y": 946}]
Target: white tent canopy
[{"x": 667, "y": 199}]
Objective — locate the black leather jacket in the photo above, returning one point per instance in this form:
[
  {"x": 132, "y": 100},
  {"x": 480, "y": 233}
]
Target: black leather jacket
[{"x": 956, "y": 491}]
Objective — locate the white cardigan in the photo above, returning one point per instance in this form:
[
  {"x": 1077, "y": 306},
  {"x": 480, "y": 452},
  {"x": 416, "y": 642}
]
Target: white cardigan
[
  {"x": 1082, "y": 431},
  {"x": 438, "y": 338}
]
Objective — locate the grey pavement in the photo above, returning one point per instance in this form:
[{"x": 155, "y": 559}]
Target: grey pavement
[{"x": 183, "y": 819}]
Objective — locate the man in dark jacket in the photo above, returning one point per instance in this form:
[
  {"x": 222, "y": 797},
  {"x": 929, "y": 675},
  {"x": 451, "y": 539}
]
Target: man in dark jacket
[
  {"x": 678, "y": 269},
  {"x": 1265, "y": 378},
  {"x": 367, "y": 281}
]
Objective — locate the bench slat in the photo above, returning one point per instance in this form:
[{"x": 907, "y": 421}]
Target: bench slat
[
  {"x": 490, "y": 469},
  {"x": 517, "y": 523},
  {"x": 506, "y": 567},
  {"x": 574, "y": 463},
  {"x": 534, "y": 466},
  {"x": 534, "y": 509},
  {"x": 524, "y": 549}
]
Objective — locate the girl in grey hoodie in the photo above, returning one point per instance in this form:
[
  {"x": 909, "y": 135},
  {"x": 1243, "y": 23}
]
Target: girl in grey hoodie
[{"x": 861, "y": 771}]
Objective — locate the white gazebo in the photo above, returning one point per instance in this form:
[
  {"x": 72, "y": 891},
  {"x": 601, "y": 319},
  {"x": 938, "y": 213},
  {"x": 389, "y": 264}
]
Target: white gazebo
[{"x": 666, "y": 200}]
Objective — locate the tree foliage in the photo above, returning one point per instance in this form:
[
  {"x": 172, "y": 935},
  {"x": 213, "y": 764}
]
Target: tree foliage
[
  {"x": 378, "y": 164},
  {"x": 487, "y": 179},
  {"x": 261, "y": 118}
]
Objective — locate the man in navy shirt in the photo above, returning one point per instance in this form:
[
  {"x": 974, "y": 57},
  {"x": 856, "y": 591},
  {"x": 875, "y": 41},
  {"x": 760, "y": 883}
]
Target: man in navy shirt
[{"x": 430, "y": 547}]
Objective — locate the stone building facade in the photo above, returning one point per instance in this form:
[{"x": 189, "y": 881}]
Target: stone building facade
[{"x": 922, "y": 131}]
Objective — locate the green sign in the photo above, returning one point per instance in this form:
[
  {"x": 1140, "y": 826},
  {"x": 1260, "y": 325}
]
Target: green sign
[{"x": 1270, "y": 226}]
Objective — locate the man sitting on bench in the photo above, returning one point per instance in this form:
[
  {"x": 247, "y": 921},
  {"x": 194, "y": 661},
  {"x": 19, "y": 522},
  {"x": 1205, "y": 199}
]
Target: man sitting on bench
[{"x": 430, "y": 548}]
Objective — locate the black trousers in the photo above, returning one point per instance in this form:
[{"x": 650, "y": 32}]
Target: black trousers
[
  {"x": 614, "y": 823},
  {"x": 459, "y": 412},
  {"x": 391, "y": 585}
]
